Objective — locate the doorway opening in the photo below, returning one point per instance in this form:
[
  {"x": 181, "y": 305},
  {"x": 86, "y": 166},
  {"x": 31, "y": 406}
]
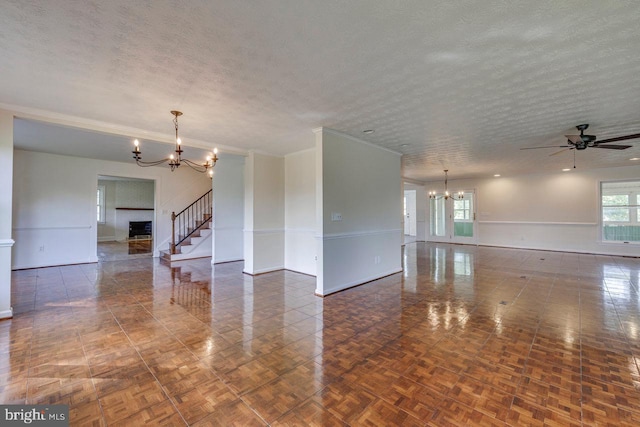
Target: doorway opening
[
  {"x": 453, "y": 220},
  {"x": 410, "y": 216},
  {"x": 125, "y": 214}
]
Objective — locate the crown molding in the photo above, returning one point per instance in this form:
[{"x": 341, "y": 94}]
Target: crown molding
[
  {"x": 35, "y": 114},
  {"x": 354, "y": 139},
  {"x": 413, "y": 181}
]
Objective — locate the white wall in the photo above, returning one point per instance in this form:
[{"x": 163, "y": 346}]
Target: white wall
[
  {"x": 6, "y": 242},
  {"x": 228, "y": 213},
  {"x": 264, "y": 214},
  {"x": 133, "y": 194},
  {"x": 300, "y": 212},
  {"x": 546, "y": 211},
  {"x": 361, "y": 184},
  {"x": 125, "y": 216},
  {"x": 54, "y": 212},
  {"x": 125, "y": 194}
]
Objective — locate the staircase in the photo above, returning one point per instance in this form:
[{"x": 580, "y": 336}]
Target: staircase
[{"x": 191, "y": 228}]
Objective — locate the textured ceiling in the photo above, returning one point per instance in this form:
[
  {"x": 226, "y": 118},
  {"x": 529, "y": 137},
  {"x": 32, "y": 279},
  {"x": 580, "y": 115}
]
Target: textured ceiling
[{"x": 456, "y": 85}]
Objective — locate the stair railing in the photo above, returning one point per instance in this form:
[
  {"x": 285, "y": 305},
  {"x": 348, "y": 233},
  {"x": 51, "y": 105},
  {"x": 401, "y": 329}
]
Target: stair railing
[{"x": 190, "y": 219}]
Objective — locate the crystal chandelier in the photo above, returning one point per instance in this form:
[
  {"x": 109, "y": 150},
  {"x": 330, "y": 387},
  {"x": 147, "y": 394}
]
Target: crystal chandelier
[
  {"x": 446, "y": 195},
  {"x": 175, "y": 160}
]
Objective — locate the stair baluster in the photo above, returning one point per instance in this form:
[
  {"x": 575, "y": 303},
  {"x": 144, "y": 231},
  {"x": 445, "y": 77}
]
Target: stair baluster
[{"x": 190, "y": 220}]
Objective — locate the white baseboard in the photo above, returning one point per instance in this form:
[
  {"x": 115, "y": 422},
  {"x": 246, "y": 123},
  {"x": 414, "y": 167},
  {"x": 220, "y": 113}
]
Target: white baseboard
[
  {"x": 359, "y": 282},
  {"x": 264, "y": 270},
  {"x": 6, "y": 314},
  {"x": 91, "y": 260},
  {"x": 223, "y": 260}
]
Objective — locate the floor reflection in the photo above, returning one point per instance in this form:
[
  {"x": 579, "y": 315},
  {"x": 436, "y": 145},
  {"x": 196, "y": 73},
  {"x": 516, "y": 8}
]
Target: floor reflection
[
  {"x": 464, "y": 336},
  {"x": 121, "y": 251}
]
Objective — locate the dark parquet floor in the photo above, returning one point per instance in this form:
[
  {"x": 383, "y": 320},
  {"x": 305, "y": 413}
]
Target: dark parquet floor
[
  {"x": 122, "y": 251},
  {"x": 464, "y": 336}
]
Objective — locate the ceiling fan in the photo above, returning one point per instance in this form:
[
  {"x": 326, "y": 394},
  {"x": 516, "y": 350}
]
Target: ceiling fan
[{"x": 582, "y": 141}]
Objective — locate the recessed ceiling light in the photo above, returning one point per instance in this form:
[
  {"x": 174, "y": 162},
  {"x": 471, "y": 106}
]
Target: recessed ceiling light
[
  {"x": 497, "y": 175},
  {"x": 404, "y": 145},
  {"x": 368, "y": 131},
  {"x": 634, "y": 158},
  {"x": 566, "y": 170}
]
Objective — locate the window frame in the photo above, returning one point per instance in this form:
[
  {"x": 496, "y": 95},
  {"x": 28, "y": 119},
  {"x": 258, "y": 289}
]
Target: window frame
[
  {"x": 466, "y": 210},
  {"x": 632, "y": 191}
]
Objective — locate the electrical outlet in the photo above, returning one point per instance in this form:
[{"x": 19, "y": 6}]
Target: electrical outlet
[
  {"x": 42, "y": 248},
  {"x": 336, "y": 216}
]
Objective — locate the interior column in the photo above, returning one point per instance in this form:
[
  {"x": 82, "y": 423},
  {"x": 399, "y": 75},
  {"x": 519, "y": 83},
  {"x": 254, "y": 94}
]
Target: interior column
[
  {"x": 6, "y": 204},
  {"x": 263, "y": 214}
]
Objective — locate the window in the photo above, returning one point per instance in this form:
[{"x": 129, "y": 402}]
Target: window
[
  {"x": 463, "y": 217},
  {"x": 620, "y": 204},
  {"x": 404, "y": 207},
  {"x": 462, "y": 209},
  {"x": 437, "y": 217},
  {"x": 101, "y": 217},
  {"x": 615, "y": 208}
]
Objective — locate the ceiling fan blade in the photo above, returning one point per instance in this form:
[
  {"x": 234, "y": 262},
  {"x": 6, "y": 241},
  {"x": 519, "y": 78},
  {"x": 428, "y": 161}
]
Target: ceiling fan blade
[
  {"x": 548, "y": 146},
  {"x": 614, "y": 147},
  {"x": 561, "y": 151},
  {"x": 619, "y": 138}
]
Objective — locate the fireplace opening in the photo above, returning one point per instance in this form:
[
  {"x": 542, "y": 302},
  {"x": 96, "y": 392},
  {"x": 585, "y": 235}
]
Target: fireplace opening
[{"x": 140, "y": 229}]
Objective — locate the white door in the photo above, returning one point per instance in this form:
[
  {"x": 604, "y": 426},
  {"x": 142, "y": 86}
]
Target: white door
[
  {"x": 463, "y": 219},
  {"x": 453, "y": 220},
  {"x": 410, "y": 223}
]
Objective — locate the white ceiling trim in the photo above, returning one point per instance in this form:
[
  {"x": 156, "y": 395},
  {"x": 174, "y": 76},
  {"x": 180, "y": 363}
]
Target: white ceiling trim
[
  {"x": 306, "y": 150},
  {"x": 413, "y": 181},
  {"x": 353, "y": 138},
  {"x": 110, "y": 128}
]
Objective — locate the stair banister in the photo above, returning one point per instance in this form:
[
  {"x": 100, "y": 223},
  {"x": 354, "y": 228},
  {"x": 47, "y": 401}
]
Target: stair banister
[
  {"x": 173, "y": 233},
  {"x": 188, "y": 222}
]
